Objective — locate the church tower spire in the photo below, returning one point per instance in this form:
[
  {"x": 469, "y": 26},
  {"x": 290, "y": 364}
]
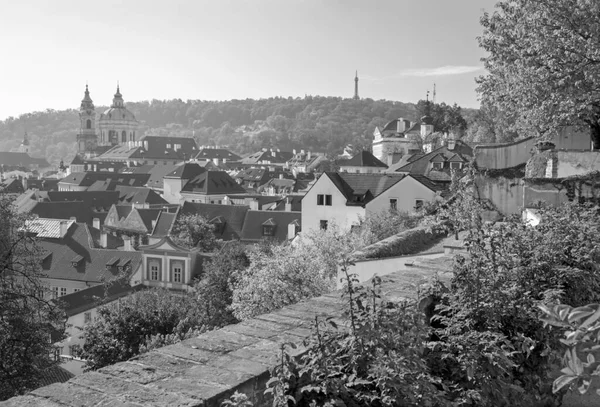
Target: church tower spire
[
  {"x": 86, "y": 139},
  {"x": 356, "y": 86}
]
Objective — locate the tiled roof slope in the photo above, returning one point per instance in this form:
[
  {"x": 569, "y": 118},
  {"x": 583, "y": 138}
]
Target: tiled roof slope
[
  {"x": 92, "y": 268},
  {"x": 86, "y": 179},
  {"x": 83, "y": 300},
  {"x": 92, "y": 199},
  {"x": 360, "y": 189},
  {"x": 55, "y": 374},
  {"x": 44, "y": 227},
  {"x": 164, "y": 223},
  {"x": 233, "y": 215},
  {"x": 213, "y": 183},
  {"x": 364, "y": 159},
  {"x": 220, "y": 153},
  {"x": 139, "y": 195},
  {"x": 185, "y": 171},
  {"x": 253, "y": 224}
]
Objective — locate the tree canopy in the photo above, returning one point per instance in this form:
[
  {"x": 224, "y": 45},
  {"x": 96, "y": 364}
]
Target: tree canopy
[
  {"x": 544, "y": 64},
  {"x": 27, "y": 318}
]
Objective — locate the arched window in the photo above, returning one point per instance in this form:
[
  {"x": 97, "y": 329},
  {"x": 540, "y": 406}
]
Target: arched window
[
  {"x": 88, "y": 124},
  {"x": 124, "y": 137}
]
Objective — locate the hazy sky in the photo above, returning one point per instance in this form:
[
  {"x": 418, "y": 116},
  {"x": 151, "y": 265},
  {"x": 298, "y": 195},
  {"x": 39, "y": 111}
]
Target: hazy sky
[{"x": 234, "y": 49}]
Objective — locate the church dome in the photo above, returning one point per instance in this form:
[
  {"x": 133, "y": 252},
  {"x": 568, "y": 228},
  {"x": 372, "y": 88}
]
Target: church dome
[{"x": 117, "y": 111}]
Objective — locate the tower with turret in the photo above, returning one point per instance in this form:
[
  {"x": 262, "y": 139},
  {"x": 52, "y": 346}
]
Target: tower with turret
[
  {"x": 86, "y": 138},
  {"x": 117, "y": 124},
  {"x": 356, "y": 97}
]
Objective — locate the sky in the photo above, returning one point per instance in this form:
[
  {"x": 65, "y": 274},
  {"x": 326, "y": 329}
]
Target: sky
[{"x": 237, "y": 49}]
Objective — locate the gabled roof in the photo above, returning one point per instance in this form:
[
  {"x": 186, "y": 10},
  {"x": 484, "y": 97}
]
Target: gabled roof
[
  {"x": 220, "y": 153},
  {"x": 364, "y": 159},
  {"x": 233, "y": 215},
  {"x": 213, "y": 183},
  {"x": 44, "y": 227},
  {"x": 421, "y": 165},
  {"x": 255, "y": 220},
  {"x": 78, "y": 242},
  {"x": 134, "y": 219},
  {"x": 164, "y": 223},
  {"x": 359, "y": 189},
  {"x": 139, "y": 195}
]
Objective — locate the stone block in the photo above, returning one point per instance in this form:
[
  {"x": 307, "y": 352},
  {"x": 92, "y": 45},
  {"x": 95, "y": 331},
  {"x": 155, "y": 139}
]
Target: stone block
[
  {"x": 265, "y": 352},
  {"x": 245, "y": 329},
  {"x": 135, "y": 372},
  {"x": 191, "y": 353},
  {"x": 164, "y": 362},
  {"x": 70, "y": 395},
  {"x": 229, "y": 362},
  {"x": 29, "y": 401}
]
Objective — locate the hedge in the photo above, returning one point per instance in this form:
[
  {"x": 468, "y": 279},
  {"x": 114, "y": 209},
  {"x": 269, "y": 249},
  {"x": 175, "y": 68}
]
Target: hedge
[{"x": 410, "y": 241}]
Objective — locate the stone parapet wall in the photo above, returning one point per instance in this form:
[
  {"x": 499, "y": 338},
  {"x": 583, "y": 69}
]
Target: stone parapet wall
[{"x": 207, "y": 369}]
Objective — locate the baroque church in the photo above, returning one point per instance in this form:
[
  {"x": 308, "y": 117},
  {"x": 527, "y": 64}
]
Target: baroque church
[{"x": 116, "y": 126}]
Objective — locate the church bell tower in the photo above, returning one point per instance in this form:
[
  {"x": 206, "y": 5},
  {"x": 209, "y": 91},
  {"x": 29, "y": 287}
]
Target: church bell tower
[{"x": 87, "y": 139}]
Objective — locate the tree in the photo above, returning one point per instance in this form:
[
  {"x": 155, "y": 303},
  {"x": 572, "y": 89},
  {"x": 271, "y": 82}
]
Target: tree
[
  {"x": 446, "y": 118},
  {"x": 214, "y": 291},
  {"x": 27, "y": 319},
  {"x": 123, "y": 326},
  {"x": 544, "y": 64},
  {"x": 194, "y": 230},
  {"x": 281, "y": 275}
]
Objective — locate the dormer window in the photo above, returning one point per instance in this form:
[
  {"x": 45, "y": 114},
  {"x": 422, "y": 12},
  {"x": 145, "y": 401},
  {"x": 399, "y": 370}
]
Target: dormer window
[
  {"x": 268, "y": 227},
  {"x": 125, "y": 266},
  {"x": 438, "y": 165},
  {"x": 456, "y": 166},
  {"x": 112, "y": 263}
]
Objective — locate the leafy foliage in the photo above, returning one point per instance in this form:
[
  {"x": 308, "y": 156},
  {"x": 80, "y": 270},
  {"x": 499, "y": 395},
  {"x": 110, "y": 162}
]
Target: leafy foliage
[
  {"x": 27, "y": 318},
  {"x": 214, "y": 291},
  {"x": 194, "y": 230},
  {"x": 121, "y": 328},
  {"x": 582, "y": 337},
  {"x": 285, "y": 274},
  {"x": 543, "y": 63}
]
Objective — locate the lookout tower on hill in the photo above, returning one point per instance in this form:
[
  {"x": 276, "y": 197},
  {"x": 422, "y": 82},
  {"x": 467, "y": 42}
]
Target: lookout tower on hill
[{"x": 356, "y": 97}]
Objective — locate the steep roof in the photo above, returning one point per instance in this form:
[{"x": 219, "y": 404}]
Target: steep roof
[
  {"x": 15, "y": 159},
  {"x": 220, "y": 153},
  {"x": 44, "y": 227},
  {"x": 93, "y": 199},
  {"x": 157, "y": 174},
  {"x": 139, "y": 195},
  {"x": 185, "y": 171},
  {"x": 255, "y": 220},
  {"x": 233, "y": 215},
  {"x": 164, "y": 223},
  {"x": 92, "y": 268},
  {"x": 421, "y": 165},
  {"x": 213, "y": 183},
  {"x": 364, "y": 159},
  {"x": 360, "y": 189}
]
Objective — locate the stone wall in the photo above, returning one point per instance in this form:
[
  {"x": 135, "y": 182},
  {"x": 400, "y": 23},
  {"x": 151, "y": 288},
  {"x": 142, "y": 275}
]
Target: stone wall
[
  {"x": 507, "y": 155},
  {"x": 205, "y": 370}
]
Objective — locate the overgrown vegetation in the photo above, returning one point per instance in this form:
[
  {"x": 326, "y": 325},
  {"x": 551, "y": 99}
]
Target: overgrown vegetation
[{"x": 27, "y": 318}]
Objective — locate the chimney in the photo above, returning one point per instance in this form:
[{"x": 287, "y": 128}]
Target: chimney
[
  {"x": 451, "y": 144},
  {"x": 288, "y": 205},
  {"x": 308, "y": 156},
  {"x": 273, "y": 153},
  {"x": 301, "y": 151},
  {"x": 127, "y": 244},
  {"x": 390, "y": 159},
  {"x": 292, "y": 230},
  {"x": 281, "y": 176},
  {"x": 103, "y": 239},
  {"x": 401, "y": 125},
  {"x": 294, "y": 151},
  {"x": 96, "y": 223},
  {"x": 64, "y": 228},
  {"x": 254, "y": 205}
]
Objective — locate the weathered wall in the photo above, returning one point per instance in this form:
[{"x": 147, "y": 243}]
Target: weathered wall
[
  {"x": 506, "y": 194},
  {"x": 508, "y": 155},
  {"x": 577, "y": 163},
  {"x": 205, "y": 370}
]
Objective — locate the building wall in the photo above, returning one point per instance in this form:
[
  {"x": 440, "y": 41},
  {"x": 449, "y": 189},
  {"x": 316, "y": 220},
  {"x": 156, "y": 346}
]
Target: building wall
[
  {"x": 506, "y": 194},
  {"x": 362, "y": 170},
  {"x": 70, "y": 285},
  {"x": 577, "y": 163},
  {"x": 569, "y": 138},
  {"x": 200, "y": 198},
  {"x": 383, "y": 146},
  {"x": 407, "y": 191},
  {"x": 507, "y": 155},
  {"x": 167, "y": 260},
  {"x": 172, "y": 190},
  {"x": 338, "y": 213}
]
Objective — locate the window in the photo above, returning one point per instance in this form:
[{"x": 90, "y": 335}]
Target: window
[
  {"x": 456, "y": 166},
  {"x": 124, "y": 137},
  {"x": 323, "y": 225},
  {"x": 63, "y": 291},
  {"x": 75, "y": 290},
  {"x": 154, "y": 269},
  {"x": 418, "y": 204},
  {"x": 437, "y": 166},
  {"x": 168, "y": 146},
  {"x": 393, "y": 204},
  {"x": 88, "y": 124},
  {"x": 87, "y": 317},
  {"x": 54, "y": 292},
  {"x": 320, "y": 199},
  {"x": 328, "y": 200},
  {"x": 154, "y": 272},
  {"x": 177, "y": 273},
  {"x": 268, "y": 230}
]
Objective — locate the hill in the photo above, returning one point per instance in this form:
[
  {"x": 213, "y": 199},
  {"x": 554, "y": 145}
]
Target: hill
[{"x": 313, "y": 123}]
